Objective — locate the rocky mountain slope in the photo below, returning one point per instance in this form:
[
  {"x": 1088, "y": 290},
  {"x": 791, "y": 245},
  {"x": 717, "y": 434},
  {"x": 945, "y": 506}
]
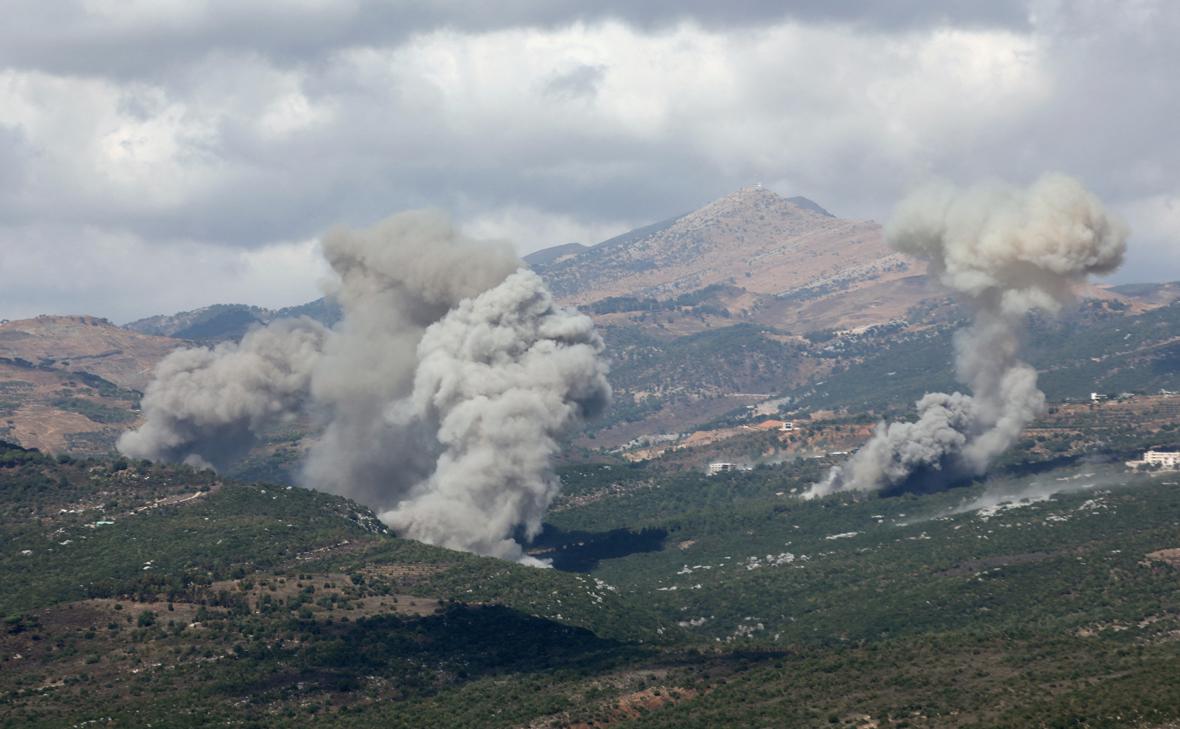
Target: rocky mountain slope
[
  {"x": 771, "y": 248},
  {"x": 72, "y": 383},
  {"x": 751, "y": 298},
  {"x": 85, "y": 344}
]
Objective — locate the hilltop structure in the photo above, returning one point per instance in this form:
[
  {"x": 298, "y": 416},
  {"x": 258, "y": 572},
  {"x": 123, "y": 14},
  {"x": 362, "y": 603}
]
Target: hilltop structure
[{"x": 1169, "y": 460}]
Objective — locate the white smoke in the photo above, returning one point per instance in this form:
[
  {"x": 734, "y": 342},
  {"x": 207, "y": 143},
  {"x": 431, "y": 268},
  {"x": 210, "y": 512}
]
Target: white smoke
[
  {"x": 442, "y": 391},
  {"x": 504, "y": 375},
  {"x": 206, "y": 406},
  {"x": 395, "y": 279},
  {"x": 1005, "y": 252}
]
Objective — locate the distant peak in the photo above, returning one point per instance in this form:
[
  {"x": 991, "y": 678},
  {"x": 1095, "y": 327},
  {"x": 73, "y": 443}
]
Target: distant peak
[
  {"x": 753, "y": 190},
  {"x": 758, "y": 192}
]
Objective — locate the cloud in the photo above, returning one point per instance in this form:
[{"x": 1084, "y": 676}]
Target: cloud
[
  {"x": 143, "y": 39},
  {"x": 203, "y": 127},
  {"x": 581, "y": 81},
  {"x": 76, "y": 270}
]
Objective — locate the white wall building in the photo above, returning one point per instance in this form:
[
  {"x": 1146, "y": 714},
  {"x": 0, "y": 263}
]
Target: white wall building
[
  {"x": 1160, "y": 459},
  {"x": 726, "y": 467}
]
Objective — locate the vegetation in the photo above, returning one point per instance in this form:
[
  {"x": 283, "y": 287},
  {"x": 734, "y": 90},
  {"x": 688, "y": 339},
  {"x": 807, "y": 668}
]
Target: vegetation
[
  {"x": 97, "y": 411},
  {"x": 1119, "y": 353},
  {"x": 165, "y": 595}
]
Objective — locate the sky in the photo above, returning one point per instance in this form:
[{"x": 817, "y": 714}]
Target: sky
[{"x": 160, "y": 155}]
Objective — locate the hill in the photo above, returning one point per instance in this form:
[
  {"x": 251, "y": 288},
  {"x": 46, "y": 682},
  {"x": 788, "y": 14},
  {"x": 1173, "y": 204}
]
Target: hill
[
  {"x": 550, "y": 255},
  {"x": 772, "y": 248},
  {"x": 226, "y": 322},
  {"x": 85, "y": 344},
  {"x": 142, "y": 594},
  {"x": 72, "y": 383},
  {"x": 138, "y": 593}
]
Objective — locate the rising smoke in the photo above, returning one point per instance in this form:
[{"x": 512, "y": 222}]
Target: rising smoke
[
  {"x": 1005, "y": 252},
  {"x": 502, "y": 375},
  {"x": 442, "y": 392},
  {"x": 394, "y": 280},
  {"x": 206, "y": 406}
]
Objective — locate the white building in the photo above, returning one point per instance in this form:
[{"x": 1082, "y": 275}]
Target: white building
[
  {"x": 726, "y": 467},
  {"x": 1158, "y": 459}
]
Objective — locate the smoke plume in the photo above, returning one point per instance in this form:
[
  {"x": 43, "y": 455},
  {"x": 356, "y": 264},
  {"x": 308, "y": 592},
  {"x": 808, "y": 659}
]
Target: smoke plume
[
  {"x": 441, "y": 393},
  {"x": 395, "y": 279},
  {"x": 1005, "y": 252},
  {"x": 206, "y": 406},
  {"x": 503, "y": 375}
]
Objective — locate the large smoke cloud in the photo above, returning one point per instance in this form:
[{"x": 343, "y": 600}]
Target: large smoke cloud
[
  {"x": 503, "y": 374},
  {"x": 395, "y": 279},
  {"x": 442, "y": 392},
  {"x": 1005, "y": 252},
  {"x": 206, "y": 406}
]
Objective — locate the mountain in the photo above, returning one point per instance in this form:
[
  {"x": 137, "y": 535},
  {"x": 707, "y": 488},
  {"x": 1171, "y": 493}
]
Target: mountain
[
  {"x": 1045, "y": 594},
  {"x": 226, "y": 322},
  {"x": 758, "y": 298},
  {"x": 220, "y": 321},
  {"x": 1148, "y": 294},
  {"x": 85, "y": 344},
  {"x": 811, "y": 205},
  {"x": 770, "y": 247},
  {"x": 547, "y": 256},
  {"x": 72, "y": 383}
]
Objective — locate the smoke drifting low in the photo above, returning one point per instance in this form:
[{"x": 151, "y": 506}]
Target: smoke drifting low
[
  {"x": 442, "y": 392},
  {"x": 205, "y": 406},
  {"x": 1005, "y": 252}
]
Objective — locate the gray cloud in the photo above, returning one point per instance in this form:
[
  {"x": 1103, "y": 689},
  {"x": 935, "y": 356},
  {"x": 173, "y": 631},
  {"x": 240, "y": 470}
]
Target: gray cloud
[
  {"x": 206, "y": 406},
  {"x": 258, "y": 124},
  {"x": 578, "y": 82},
  {"x": 503, "y": 375},
  {"x": 396, "y": 279},
  {"x": 71, "y": 37}
]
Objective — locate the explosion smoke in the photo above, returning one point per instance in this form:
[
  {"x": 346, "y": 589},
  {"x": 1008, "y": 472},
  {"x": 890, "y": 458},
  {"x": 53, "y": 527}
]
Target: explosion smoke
[
  {"x": 442, "y": 390},
  {"x": 395, "y": 279},
  {"x": 1005, "y": 252},
  {"x": 205, "y": 406},
  {"x": 503, "y": 374}
]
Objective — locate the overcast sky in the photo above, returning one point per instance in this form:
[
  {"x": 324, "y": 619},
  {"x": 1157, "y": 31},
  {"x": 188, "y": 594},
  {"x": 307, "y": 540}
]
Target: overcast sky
[{"x": 158, "y": 155}]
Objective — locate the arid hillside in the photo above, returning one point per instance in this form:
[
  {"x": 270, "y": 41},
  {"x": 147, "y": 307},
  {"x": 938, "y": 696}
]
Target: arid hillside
[
  {"x": 85, "y": 344},
  {"x": 780, "y": 254},
  {"x": 72, "y": 383}
]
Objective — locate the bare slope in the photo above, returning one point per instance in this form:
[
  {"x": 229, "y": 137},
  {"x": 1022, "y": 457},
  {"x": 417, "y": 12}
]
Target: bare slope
[
  {"x": 68, "y": 383},
  {"x": 753, "y": 239},
  {"x": 85, "y": 344}
]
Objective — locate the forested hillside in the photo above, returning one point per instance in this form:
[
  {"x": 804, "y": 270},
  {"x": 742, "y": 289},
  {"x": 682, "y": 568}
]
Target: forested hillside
[{"x": 172, "y": 597}]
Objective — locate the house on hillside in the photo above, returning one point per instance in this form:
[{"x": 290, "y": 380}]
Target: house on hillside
[
  {"x": 727, "y": 467},
  {"x": 1157, "y": 459}
]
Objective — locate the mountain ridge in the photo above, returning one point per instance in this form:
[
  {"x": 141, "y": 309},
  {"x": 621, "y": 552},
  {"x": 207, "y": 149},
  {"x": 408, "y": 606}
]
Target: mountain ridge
[{"x": 753, "y": 238}]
